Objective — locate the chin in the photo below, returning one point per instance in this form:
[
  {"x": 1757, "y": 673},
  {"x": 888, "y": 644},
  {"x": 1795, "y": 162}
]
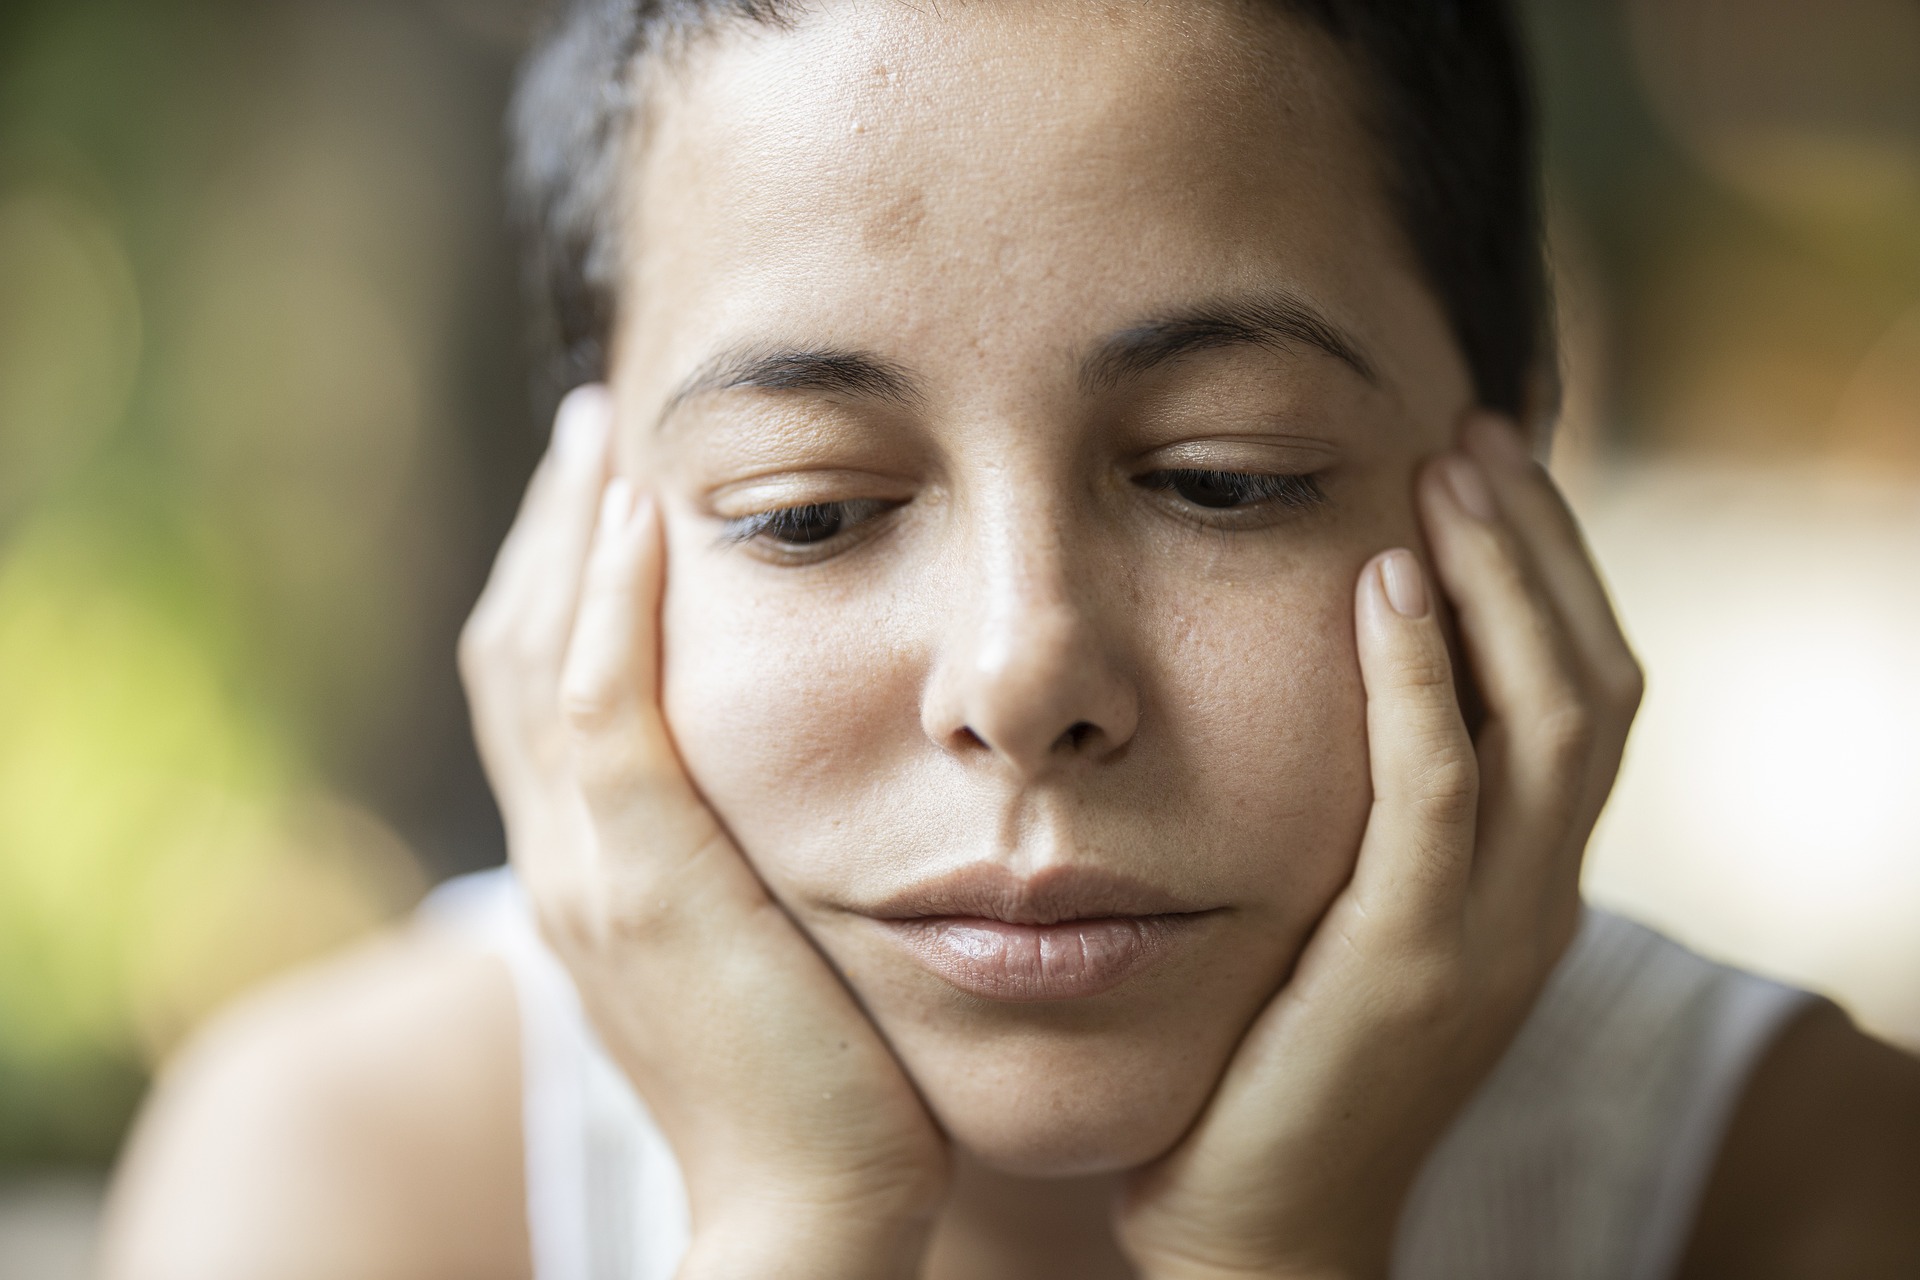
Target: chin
[
  {"x": 1041, "y": 1103},
  {"x": 1070, "y": 1087}
]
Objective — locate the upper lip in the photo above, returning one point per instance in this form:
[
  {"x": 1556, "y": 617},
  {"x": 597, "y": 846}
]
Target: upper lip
[{"x": 989, "y": 891}]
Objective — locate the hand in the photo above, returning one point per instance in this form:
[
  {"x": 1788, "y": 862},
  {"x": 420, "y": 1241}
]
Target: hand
[
  {"x": 1465, "y": 894},
  {"x": 805, "y": 1149}
]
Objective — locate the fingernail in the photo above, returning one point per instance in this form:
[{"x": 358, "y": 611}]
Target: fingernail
[
  {"x": 1405, "y": 585},
  {"x": 1469, "y": 487},
  {"x": 1499, "y": 440},
  {"x": 580, "y": 427}
]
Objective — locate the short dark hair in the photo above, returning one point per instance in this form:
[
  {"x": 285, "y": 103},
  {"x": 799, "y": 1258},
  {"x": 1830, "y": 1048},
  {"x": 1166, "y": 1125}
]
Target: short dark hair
[{"x": 1446, "y": 93}]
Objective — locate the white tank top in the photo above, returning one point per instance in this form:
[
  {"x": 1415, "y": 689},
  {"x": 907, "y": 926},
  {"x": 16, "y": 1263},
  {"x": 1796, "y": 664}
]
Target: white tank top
[{"x": 1582, "y": 1157}]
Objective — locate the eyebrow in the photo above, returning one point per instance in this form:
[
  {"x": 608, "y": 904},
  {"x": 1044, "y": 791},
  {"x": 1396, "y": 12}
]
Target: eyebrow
[
  {"x": 1277, "y": 321},
  {"x": 858, "y": 375}
]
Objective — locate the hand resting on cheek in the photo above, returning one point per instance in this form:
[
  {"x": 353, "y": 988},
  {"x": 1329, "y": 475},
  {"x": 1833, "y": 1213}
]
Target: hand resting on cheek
[{"x": 806, "y": 1149}]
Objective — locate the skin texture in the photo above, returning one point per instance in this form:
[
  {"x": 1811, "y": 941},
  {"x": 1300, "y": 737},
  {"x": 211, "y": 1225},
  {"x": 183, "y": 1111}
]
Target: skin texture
[
  {"x": 712, "y": 755},
  {"x": 1015, "y": 642},
  {"x": 1006, "y": 598}
]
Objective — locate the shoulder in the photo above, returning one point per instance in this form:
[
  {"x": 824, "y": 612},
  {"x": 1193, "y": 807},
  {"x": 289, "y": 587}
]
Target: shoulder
[
  {"x": 358, "y": 1118},
  {"x": 1819, "y": 1174}
]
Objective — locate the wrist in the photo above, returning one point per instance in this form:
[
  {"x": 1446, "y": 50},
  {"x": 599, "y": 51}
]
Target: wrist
[
  {"x": 1254, "y": 1238},
  {"x": 808, "y": 1256},
  {"x": 806, "y": 1243}
]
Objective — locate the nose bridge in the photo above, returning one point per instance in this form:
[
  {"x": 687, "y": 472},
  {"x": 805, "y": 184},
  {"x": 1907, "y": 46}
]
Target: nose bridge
[
  {"x": 1028, "y": 672},
  {"x": 1027, "y": 605}
]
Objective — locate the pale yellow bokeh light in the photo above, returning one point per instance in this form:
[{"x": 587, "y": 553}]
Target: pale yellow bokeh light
[
  {"x": 162, "y": 844},
  {"x": 1769, "y": 808}
]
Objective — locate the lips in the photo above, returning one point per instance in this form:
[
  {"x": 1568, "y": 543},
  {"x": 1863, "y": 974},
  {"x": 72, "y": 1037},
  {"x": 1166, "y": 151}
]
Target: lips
[{"x": 1067, "y": 933}]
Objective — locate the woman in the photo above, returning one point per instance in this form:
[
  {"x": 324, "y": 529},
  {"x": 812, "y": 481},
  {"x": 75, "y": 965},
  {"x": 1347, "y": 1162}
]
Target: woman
[{"x": 974, "y": 704}]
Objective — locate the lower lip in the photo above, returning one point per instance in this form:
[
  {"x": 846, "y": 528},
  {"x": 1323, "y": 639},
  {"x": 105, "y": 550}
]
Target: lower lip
[{"x": 1070, "y": 960}]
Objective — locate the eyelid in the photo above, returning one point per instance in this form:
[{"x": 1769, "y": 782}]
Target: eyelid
[
  {"x": 786, "y": 490},
  {"x": 1251, "y": 454}
]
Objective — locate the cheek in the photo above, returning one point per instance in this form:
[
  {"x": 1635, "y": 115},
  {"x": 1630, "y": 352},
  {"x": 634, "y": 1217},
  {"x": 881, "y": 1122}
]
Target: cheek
[
  {"x": 797, "y": 714},
  {"x": 1264, "y": 712},
  {"x": 787, "y": 706}
]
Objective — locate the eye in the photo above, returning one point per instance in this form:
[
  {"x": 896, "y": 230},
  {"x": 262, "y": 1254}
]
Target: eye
[
  {"x": 1234, "y": 490},
  {"x": 805, "y": 527}
]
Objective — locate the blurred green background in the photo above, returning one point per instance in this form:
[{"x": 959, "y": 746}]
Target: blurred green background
[
  {"x": 265, "y": 411},
  {"x": 262, "y": 414}
]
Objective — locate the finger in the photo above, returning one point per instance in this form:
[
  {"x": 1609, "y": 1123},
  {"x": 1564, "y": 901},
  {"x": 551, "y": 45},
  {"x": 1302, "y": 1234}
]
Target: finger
[
  {"x": 558, "y": 551},
  {"x": 651, "y": 822},
  {"x": 577, "y": 445},
  {"x": 1418, "y": 851},
  {"x": 512, "y": 708},
  {"x": 1549, "y": 533},
  {"x": 1550, "y": 538},
  {"x": 1536, "y": 749}
]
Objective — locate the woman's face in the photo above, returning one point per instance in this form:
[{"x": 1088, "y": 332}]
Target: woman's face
[{"x": 1025, "y": 386}]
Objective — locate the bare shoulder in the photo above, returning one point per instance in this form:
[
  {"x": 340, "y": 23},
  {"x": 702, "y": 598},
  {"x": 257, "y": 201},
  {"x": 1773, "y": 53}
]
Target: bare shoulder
[
  {"x": 1819, "y": 1175},
  {"x": 360, "y": 1118}
]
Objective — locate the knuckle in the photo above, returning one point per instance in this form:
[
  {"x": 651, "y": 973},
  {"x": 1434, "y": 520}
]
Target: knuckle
[
  {"x": 655, "y": 894},
  {"x": 639, "y": 912},
  {"x": 1427, "y": 669},
  {"x": 589, "y": 709},
  {"x": 1566, "y": 729},
  {"x": 593, "y": 697},
  {"x": 568, "y": 921},
  {"x": 479, "y": 642},
  {"x": 1441, "y": 989},
  {"x": 1627, "y": 686},
  {"x": 1505, "y": 564},
  {"x": 1447, "y": 787}
]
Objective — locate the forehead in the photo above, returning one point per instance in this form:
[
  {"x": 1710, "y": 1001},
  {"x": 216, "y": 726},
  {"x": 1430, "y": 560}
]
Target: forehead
[{"x": 993, "y": 172}]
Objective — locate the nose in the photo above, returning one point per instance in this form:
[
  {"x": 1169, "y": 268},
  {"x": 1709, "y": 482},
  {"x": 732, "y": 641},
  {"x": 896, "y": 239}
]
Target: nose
[{"x": 1027, "y": 674}]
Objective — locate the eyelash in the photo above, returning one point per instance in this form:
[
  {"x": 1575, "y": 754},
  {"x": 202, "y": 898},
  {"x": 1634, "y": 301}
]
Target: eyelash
[
  {"x": 809, "y": 527},
  {"x": 798, "y": 528},
  {"x": 1294, "y": 492}
]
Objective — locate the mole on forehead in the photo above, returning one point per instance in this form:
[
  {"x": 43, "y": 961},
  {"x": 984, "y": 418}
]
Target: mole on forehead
[{"x": 895, "y": 223}]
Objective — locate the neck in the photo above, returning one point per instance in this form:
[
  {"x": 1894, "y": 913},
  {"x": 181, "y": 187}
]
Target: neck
[{"x": 1000, "y": 1227}]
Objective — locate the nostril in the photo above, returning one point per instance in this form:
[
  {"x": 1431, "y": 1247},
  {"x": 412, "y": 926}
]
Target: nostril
[{"x": 1078, "y": 735}]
